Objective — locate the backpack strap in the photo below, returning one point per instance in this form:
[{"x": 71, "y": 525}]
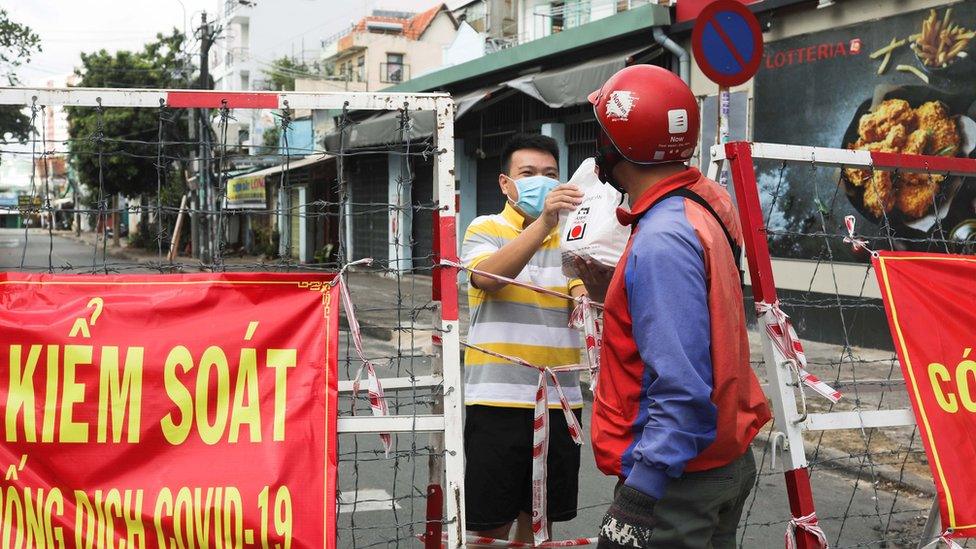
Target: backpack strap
[{"x": 693, "y": 196}]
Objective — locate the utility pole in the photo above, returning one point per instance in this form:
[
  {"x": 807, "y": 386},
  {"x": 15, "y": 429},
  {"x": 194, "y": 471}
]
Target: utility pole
[{"x": 204, "y": 199}]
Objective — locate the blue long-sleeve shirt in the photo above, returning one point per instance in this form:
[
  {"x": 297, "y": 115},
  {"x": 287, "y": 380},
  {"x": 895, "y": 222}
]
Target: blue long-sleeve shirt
[
  {"x": 676, "y": 391},
  {"x": 668, "y": 303}
]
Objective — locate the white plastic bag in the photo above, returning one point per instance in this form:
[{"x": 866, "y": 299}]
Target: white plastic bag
[{"x": 592, "y": 230}]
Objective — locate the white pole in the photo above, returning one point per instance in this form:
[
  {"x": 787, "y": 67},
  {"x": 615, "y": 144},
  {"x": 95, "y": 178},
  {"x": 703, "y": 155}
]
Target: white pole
[{"x": 724, "y": 99}]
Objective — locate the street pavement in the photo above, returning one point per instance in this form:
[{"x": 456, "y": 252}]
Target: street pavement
[
  {"x": 383, "y": 500},
  {"x": 61, "y": 253}
]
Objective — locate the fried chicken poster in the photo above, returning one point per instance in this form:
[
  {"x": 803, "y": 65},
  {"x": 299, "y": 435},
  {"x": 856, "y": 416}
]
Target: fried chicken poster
[
  {"x": 930, "y": 301},
  {"x": 168, "y": 411},
  {"x": 903, "y": 84}
]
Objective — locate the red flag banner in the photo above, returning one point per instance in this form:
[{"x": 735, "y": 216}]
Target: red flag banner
[
  {"x": 931, "y": 304},
  {"x": 168, "y": 411}
]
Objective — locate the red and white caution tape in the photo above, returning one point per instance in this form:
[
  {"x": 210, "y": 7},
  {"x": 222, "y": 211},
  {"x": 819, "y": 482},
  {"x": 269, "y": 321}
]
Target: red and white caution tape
[
  {"x": 853, "y": 240},
  {"x": 513, "y": 282},
  {"x": 809, "y": 524},
  {"x": 479, "y": 541},
  {"x": 540, "y": 457},
  {"x": 950, "y": 543},
  {"x": 540, "y": 434},
  {"x": 943, "y": 538},
  {"x": 787, "y": 347},
  {"x": 540, "y": 449},
  {"x": 584, "y": 318},
  {"x": 377, "y": 400}
]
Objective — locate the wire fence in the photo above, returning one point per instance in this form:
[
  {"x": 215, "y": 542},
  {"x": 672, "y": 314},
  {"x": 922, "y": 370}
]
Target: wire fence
[
  {"x": 830, "y": 291},
  {"x": 344, "y": 199},
  {"x": 149, "y": 199}
]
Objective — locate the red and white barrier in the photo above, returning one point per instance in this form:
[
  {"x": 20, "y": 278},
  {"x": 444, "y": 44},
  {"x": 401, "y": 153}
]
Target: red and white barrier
[{"x": 540, "y": 434}]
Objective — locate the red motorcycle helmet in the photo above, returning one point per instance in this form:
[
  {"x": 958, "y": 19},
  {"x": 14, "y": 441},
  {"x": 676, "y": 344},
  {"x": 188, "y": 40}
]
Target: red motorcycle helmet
[{"x": 647, "y": 114}]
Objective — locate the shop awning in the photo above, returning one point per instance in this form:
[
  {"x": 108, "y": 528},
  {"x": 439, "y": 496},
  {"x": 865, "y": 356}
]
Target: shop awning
[
  {"x": 571, "y": 85},
  {"x": 464, "y": 102},
  {"x": 382, "y": 129},
  {"x": 556, "y": 88},
  {"x": 248, "y": 191},
  {"x": 294, "y": 163}
]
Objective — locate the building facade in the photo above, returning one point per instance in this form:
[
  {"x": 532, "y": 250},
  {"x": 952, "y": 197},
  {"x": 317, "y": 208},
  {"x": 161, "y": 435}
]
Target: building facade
[
  {"x": 253, "y": 35},
  {"x": 817, "y": 78},
  {"x": 388, "y": 48}
]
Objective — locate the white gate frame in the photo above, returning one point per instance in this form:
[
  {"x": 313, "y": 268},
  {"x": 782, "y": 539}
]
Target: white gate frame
[
  {"x": 446, "y": 372},
  {"x": 781, "y": 388}
]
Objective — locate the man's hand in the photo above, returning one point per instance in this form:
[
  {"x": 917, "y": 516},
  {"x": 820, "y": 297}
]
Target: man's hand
[
  {"x": 629, "y": 522},
  {"x": 595, "y": 276},
  {"x": 562, "y": 198}
]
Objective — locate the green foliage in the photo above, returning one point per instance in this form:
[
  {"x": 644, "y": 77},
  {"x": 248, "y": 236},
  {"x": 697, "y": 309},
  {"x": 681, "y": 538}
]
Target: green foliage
[
  {"x": 128, "y": 138},
  {"x": 272, "y": 137},
  {"x": 17, "y": 44},
  {"x": 283, "y": 72}
]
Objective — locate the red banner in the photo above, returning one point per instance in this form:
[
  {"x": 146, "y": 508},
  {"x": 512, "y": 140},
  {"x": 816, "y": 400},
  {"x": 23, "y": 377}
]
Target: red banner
[
  {"x": 931, "y": 304},
  {"x": 168, "y": 411}
]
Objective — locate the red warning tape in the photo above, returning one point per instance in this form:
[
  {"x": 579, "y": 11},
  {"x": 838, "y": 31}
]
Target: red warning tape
[
  {"x": 377, "y": 400},
  {"x": 787, "y": 344}
]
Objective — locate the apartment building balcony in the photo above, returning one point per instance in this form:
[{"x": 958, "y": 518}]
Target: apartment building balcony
[{"x": 235, "y": 12}]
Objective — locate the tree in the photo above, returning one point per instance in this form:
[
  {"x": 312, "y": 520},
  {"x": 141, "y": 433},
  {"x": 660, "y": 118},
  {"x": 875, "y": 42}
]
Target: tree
[
  {"x": 130, "y": 136},
  {"x": 283, "y": 72},
  {"x": 17, "y": 44},
  {"x": 116, "y": 151},
  {"x": 272, "y": 136}
]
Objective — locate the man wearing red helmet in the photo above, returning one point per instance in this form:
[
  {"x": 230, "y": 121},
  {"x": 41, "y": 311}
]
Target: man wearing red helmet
[{"x": 678, "y": 404}]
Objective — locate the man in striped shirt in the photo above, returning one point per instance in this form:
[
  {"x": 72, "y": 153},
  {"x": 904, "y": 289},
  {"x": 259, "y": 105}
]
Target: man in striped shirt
[{"x": 522, "y": 243}]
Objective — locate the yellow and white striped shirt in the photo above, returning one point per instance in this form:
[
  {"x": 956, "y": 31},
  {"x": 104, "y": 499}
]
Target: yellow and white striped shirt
[{"x": 517, "y": 321}]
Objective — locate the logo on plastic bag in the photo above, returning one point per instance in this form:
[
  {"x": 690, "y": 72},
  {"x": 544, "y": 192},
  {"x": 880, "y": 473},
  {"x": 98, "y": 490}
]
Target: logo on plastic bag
[{"x": 576, "y": 232}]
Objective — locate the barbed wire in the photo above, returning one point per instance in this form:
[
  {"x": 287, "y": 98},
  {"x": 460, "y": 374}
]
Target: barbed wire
[
  {"x": 401, "y": 320},
  {"x": 879, "y": 463}
]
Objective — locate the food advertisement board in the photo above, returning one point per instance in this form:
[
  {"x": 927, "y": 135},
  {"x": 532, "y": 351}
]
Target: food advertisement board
[{"x": 905, "y": 84}]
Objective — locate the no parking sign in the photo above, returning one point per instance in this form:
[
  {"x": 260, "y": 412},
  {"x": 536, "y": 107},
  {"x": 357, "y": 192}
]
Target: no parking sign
[{"x": 727, "y": 43}]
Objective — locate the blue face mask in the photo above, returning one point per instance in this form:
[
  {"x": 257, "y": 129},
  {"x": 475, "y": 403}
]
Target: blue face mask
[{"x": 532, "y": 193}]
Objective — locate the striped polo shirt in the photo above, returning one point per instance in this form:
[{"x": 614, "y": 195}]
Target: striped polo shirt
[{"x": 518, "y": 322}]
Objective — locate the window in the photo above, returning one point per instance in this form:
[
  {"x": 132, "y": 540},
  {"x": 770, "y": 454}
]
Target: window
[
  {"x": 361, "y": 69},
  {"x": 394, "y": 67},
  {"x": 567, "y": 14},
  {"x": 558, "y": 20}
]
